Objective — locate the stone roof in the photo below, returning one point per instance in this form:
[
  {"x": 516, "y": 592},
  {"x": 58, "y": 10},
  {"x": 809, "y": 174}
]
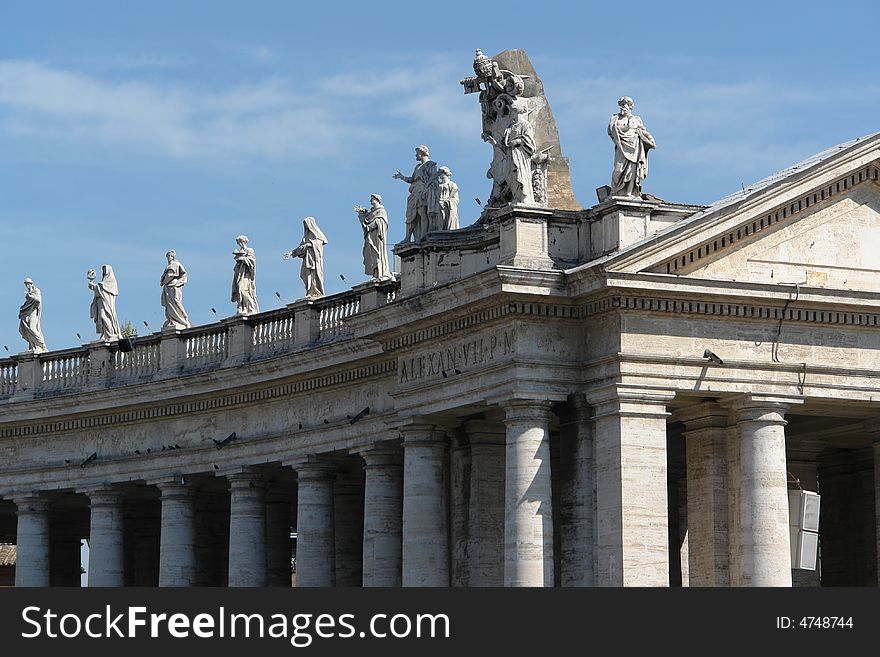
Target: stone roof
[
  {"x": 7, "y": 555},
  {"x": 810, "y": 162}
]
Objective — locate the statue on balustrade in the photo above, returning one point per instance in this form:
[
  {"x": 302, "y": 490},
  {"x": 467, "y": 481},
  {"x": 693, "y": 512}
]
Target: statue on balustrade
[
  {"x": 422, "y": 184},
  {"x": 172, "y": 282},
  {"x": 29, "y": 318},
  {"x": 244, "y": 278},
  {"x": 374, "y": 222},
  {"x": 103, "y": 308},
  {"x": 631, "y": 145},
  {"x": 445, "y": 210},
  {"x": 311, "y": 250}
]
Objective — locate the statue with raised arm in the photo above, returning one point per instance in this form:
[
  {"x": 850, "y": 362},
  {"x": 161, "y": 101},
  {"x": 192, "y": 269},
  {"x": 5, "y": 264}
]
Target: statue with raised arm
[
  {"x": 374, "y": 222},
  {"x": 29, "y": 318},
  {"x": 311, "y": 250},
  {"x": 103, "y": 308},
  {"x": 421, "y": 184},
  {"x": 631, "y": 145},
  {"x": 244, "y": 278},
  {"x": 447, "y": 200},
  {"x": 172, "y": 282}
]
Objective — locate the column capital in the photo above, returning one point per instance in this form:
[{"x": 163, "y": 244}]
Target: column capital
[
  {"x": 422, "y": 432},
  {"x": 309, "y": 468},
  {"x": 173, "y": 487},
  {"x": 245, "y": 480},
  {"x": 761, "y": 408},
  {"x": 704, "y": 415},
  {"x": 103, "y": 496},
  {"x": 36, "y": 502},
  {"x": 629, "y": 401},
  {"x": 516, "y": 410},
  {"x": 485, "y": 432},
  {"x": 382, "y": 455}
]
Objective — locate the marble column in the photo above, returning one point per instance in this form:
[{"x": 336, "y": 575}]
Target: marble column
[
  {"x": 315, "y": 543},
  {"x": 383, "y": 516},
  {"x": 425, "y": 536},
  {"x": 32, "y": 541},
  {"x": 706, "y": 429},
  {"x": 177, "y": 552},
  {"x": 528, "y": 506},
  {"x": 577, "y": 506},
  {"x": 486, "y": 510},
  {"x": 247, "y": 530},
  {"x": 632, "y": 539},
  {"x": 764, "y": 555},
  {"x": 278, "y": 545},
  {"x": 348, "y": 510},
  {"x": 106, "y": 542}
]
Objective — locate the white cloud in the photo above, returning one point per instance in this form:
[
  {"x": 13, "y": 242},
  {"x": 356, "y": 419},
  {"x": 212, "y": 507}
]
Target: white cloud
[{"x": 274, "y": 118}]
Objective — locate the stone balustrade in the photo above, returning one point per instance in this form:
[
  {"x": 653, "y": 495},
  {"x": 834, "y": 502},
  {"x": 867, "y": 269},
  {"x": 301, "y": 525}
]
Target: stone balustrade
[{"x": 170, "y": 353}]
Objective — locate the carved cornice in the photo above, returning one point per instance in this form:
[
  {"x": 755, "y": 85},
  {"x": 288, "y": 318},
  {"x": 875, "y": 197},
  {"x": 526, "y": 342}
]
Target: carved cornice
[
  {"x": 728, "y": 309},
  {"x": 208, "y": 404},
  {"x": 478, "y": 319}
]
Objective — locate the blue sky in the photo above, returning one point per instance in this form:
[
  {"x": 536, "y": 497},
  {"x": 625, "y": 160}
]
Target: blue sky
[{"x": 127, "y": 129}]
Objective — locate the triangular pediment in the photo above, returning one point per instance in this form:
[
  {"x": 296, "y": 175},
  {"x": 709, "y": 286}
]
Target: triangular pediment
[
  {"x": 817, "y": 225},
  {"x": 833, "y": 243}
]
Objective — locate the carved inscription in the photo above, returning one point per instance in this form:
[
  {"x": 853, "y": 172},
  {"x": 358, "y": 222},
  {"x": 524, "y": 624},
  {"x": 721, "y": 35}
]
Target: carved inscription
[{"x": 458, "y": 356}]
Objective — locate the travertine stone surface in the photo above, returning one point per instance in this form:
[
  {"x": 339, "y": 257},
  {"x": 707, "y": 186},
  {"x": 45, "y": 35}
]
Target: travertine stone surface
[
  {"x": 485, "y": 549},
  {"x": 247, "y": 530},
  {"x": 528, "y": 504},
  {"x": 578, "y": 498},
  {"x": 278, "y": 544},
  {"x": 32, "y": 555},
  {"x": 106, "y": 538},
  {"x": 315, "y": 541},
  {"x": 630, "y": 452},
  {"x": 177, "y": 550},
  {"x": 383, "y": 516},
  {"x": 763, "y": 550},
  {"x": 425, "y": 542},
  {"x": 706, "y": 427},
  {"x": 348, "y": 509}
]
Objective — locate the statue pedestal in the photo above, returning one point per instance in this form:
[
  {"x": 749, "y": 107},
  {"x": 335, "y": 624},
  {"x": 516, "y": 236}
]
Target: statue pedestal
[
  {"x": 525, "y": 238},
  {"x": 618, "y": 222}
]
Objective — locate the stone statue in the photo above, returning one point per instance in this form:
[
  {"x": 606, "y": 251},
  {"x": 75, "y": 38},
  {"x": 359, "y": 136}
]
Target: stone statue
[
  {"x": 311, "y": 250},
  {"x": 103, "y": 308},
  {"x": 29, "y": 318},
  {"x": 509, "y": 80},
  {"x": 631, "y": 145},
  {"x": 422, "y": 185},
  {"x": 374, "y": 221},
  {"x": 172, "y": 282},
  {"x": 244, "y": 278},
  {"x": 447, "y": 201},
  {"x": 519, "y": 146}
]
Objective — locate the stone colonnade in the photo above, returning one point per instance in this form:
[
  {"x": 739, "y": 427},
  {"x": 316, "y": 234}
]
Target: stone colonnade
[{"x": 479, "y": 504}]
